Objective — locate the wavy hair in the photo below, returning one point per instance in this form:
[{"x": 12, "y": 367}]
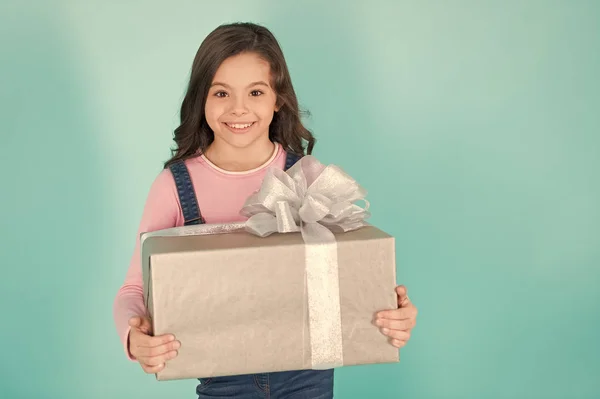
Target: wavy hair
[{"x": 193, "y": 136}]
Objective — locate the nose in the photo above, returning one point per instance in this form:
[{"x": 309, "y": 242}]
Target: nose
[{"x": 239, "y": 106}]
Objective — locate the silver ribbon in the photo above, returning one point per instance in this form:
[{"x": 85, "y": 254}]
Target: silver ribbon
[{"x": 317, "y": 201}]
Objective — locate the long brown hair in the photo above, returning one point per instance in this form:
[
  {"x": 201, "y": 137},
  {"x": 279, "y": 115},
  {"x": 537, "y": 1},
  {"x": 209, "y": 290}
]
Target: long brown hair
[{"x": 193, "y": 136}]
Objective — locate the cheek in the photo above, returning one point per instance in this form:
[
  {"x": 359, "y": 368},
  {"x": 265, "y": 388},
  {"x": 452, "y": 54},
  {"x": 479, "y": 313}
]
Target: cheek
[
  {"x": 212, "y": 113},
  {"x": 266, "y": 110}
]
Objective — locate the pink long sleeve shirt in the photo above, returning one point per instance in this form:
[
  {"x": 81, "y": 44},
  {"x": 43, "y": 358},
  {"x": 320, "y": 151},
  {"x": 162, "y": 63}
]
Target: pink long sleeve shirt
[{"x": 221, "y": 195}]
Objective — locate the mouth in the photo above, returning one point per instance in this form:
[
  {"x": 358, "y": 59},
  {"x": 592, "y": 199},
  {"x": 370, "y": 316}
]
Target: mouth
[{"x": 239, "y": 127}]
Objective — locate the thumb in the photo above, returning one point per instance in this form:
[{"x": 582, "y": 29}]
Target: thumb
[
  {"x": 403, "y": 299},
  {"x": 141, "y": 323},
  {"x": 135, "y": 321},
  {"x": 145, "y": 325}
]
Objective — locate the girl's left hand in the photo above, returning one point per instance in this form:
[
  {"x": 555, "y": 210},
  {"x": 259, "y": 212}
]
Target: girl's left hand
[{"x": 398, "y": 323}]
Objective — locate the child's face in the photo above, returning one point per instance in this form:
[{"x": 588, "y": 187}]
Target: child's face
[{"x": 240, "y": 103}]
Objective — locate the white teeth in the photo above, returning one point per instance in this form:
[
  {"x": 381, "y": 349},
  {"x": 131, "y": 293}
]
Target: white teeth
[{"x": 238, "y": 126}]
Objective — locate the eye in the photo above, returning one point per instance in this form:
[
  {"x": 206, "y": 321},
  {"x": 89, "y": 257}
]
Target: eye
[
  {"x": 256, "y": 93},
  {"x": 221, "y": 93}
]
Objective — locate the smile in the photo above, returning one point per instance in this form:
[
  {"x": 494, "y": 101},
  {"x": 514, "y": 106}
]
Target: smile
[{"x": 239, "y": 127}]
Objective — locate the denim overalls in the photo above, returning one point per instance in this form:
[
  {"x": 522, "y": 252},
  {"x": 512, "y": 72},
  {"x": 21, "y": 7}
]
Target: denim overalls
[{"x": 301, "y": 384}]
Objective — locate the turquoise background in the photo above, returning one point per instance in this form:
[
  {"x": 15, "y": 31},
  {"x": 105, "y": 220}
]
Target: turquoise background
[{"x": 473, "y": 124}]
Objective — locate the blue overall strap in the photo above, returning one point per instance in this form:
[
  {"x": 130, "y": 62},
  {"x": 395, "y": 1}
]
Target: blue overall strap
[
  {"x": 186, "y": 193},
  {"x": 290, "y": 160}
]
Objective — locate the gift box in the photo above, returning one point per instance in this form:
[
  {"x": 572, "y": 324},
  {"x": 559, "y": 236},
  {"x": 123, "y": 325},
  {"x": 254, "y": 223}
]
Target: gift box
[{"x": 294, "y": 287}]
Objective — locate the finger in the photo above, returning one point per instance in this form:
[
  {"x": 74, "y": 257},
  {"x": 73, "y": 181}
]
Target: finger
[
  {"x": 158, "y": 360},
  {"x": 152, "y": 369},
  {"x": 398, "y": 343},
  {"x": 396, "y": 334},
  {"x": 406, "y": 324},
  {"x": 144, "y": 340},
  {"x": 146, "y": 351},
  {"x": 144, "y": 345},
  {"x": 167, "y": 340},
  {"x": 398, "y": 314},
  {"x": 403, "y": 299},
  {"x": 401, "y": 291}
]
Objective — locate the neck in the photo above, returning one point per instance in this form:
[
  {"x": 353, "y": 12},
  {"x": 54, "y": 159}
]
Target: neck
[{"x": 235, "y": 159}]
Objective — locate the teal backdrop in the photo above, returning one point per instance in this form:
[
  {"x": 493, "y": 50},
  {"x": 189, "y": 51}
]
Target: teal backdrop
[{"x": 475, "y": 126}]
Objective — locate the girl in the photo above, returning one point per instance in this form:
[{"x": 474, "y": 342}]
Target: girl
[{"x": 239, "y": 117}]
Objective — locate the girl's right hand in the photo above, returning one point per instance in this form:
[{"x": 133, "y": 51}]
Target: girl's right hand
[{"x": 151, "y": 352}]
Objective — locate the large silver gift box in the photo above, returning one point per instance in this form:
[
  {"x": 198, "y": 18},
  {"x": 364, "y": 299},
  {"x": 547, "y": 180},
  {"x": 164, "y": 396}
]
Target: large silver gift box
[{"x": 244, "y": 304}]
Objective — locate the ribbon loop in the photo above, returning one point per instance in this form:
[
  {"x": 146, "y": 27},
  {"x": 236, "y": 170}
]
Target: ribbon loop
[
  {"x": 308, "y": 193},
  {"x": 314, "y": 208},
  {"x": 286, "y": 217}
]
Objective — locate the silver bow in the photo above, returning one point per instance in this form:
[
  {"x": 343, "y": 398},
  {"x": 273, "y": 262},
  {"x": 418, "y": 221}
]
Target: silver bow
[{"x": 311, "y": 198}]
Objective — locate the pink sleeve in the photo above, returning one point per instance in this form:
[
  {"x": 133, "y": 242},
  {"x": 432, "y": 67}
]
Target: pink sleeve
[{"x": 160, "y": 211}]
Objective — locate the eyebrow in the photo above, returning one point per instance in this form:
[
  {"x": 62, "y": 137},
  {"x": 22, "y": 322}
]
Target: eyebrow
[{"x": 259, "y": 83}]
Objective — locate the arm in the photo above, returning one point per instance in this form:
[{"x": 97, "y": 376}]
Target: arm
[{"x": 160, "y": 211}]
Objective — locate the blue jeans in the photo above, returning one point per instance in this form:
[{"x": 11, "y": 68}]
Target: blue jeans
[{"x": 302, "y": 384}]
